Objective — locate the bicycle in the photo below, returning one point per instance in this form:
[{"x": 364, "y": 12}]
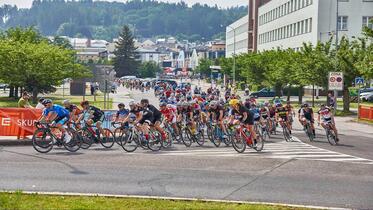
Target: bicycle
[
  {"x": 309, "y": 131},
  {"x": 44, "y": 139},
  {"x": 286, "y": 131},
  {"x": 330, "y": 135},
  {"x": 243, "y": 138},
  {"x": 134, "y": 138},
  {"x": 90, "y": 135},
  {"x": 218, "y": 135},
  {"x": 274, "y": 126}
]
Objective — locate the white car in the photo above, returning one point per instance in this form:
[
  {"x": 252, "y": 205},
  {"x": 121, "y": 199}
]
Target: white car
[{"x": 366, "y": 96}]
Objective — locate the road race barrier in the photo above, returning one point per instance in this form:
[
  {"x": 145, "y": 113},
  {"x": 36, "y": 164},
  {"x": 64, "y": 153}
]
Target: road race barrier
[
  {"x": 366, "y": 112},
  {"x": 20, "y": 122}
]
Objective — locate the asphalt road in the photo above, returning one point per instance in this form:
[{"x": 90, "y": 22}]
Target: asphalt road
[{"x": 285, "y": 172}]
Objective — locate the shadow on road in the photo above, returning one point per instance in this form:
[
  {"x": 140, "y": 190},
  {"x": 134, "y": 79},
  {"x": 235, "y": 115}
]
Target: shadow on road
[{"x": 74, "y": 170}]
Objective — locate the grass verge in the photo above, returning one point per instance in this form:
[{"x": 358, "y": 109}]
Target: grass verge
[{"x": 22, "y": 201}]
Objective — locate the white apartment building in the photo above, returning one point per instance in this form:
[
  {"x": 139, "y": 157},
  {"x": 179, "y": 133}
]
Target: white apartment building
[
  {"x": 237, "y": 32},
  {"x": 289, "y": 23}
]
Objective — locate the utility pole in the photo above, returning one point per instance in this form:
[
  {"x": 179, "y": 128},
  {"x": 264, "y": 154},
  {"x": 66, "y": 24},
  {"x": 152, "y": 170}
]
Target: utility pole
[
  {"x": 234, "y": 55},
  {"x": 336, "y": 47}
]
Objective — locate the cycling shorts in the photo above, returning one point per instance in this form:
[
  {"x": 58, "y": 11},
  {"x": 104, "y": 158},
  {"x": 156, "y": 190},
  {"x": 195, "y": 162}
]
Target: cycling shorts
[
  {"x": 156, "y": 118},
  {"x": 61, "y": 120},
  {"x": 98, "y": 118}
]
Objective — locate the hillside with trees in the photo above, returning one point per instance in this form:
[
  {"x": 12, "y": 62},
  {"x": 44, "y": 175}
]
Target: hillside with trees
[{"x": 104, "y": 20}]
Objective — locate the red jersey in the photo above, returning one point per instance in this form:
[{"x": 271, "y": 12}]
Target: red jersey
[{"x": 168, "y": 113}]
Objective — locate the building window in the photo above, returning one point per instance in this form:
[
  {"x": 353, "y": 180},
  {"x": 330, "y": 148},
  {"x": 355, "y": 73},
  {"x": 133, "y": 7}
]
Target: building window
[
  {"x": 342, "y": 23},
  {"x": 367, "y": 21}
]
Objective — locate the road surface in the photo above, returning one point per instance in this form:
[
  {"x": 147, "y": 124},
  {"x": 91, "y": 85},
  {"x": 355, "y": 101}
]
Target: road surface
[{"x": 285, "y": 172}]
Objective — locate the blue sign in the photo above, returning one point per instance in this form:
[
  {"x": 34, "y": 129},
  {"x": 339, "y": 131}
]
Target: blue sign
[{"x": 359, "y": 81}]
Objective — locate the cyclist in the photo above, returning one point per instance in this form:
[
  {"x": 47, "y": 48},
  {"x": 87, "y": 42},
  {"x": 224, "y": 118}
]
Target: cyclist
[
  {"x": 291, "y": 112},
  {"x": 73, "y": 109},
  {"x": 264, "y": 114},
  {"x": 57, "y": 115},
  {"x": 327, "y": 117},
  {"x": 121, "y": 113},
  {"x": 92, "y": 115},
  {"x": 282, "y": 116},
  {"x": 169, "y": 112},
  {"x": 216, "y": 111},
  {"x": 156, "y": 119},
  {"x": 246, "y": 117},
  {"x": 306, "y": 113}
]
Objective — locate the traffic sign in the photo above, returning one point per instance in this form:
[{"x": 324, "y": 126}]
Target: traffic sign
[
  {"x": 359, "y": 81},
  {"x": 335, "y": 81}
]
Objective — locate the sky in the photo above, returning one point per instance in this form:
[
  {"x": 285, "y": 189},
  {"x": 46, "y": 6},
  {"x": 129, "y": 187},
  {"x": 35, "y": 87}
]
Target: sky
[{"x": 220, "y": 3}]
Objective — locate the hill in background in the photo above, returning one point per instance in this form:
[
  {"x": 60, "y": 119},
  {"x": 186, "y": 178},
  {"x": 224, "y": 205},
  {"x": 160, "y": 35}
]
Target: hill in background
[{"x": 103, "y": 20}]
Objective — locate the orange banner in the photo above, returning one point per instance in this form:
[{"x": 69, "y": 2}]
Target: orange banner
[
  {"x": 18, "y": 121},
  {"x": 366, "y": 112}
]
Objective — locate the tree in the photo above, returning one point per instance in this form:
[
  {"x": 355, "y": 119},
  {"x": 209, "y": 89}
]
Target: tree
[
  {"x": 125, "y": 54},
  {"x": 203, "y": 67},
  {"x": 149, "y": 69},
  {"x": 36, "y": 65},
  {"x": 62, "y": 42}
]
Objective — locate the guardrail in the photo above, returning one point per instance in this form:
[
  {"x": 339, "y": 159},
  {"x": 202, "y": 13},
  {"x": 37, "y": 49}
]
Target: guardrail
[{"x": 365, "y": 112}]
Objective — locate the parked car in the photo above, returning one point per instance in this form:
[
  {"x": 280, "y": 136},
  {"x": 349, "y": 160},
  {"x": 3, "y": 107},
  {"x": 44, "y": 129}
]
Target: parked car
[
  {"x": 265, "y": 92},
  {"x": 366, "y": 96},
  {"x": 3, "y": 86},
  {"x": 365, "y": 90}
]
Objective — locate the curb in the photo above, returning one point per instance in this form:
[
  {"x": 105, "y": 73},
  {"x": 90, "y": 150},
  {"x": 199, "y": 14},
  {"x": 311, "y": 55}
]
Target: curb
[
  {"x": 174, "y": 198},
  {"x": 15, "y": 142}
]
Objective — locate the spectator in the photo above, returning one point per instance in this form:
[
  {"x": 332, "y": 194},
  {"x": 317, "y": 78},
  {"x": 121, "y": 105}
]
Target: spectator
[
  {"x": 23, "y": 101},
  {"x": 40, "y": 105}
]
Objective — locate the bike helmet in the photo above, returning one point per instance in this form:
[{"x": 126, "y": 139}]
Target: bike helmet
[
  {"x": 278, "y": 105},
  {"x": 185, "y": 104},
  {"x": 234, "y": 102},
  {"x": 46, "y": 101},
  {"x": 163, "y": 104},
  {"x": 180, "y": 104},
  {"x": 132, "y": 103},
  {"x": 65, "y": 102},
  {"x": 121, "y": 105}
]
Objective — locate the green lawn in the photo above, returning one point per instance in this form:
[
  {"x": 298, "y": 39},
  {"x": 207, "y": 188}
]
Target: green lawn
[{"x": 22, "y": 201}]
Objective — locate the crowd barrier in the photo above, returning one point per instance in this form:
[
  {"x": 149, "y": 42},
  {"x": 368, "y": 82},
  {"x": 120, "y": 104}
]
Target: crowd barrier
[
  {"x": 20, "y": 122},
  {"x": 366, "y": 112}
]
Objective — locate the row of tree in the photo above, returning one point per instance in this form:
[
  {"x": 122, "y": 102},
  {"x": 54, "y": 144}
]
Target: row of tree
[
  {"x": 30, "y": 62},
  {"x": 103, "y": 20},
  {"x": 310, "y": 66}
]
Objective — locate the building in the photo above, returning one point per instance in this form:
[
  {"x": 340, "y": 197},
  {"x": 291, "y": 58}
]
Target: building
[
  {"x": 237, "y": 37},
  {"x": 290, "y": 23}
]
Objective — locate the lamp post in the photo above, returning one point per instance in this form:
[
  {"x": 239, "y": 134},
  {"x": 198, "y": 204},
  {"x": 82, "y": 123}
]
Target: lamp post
[{"x": 234, "y": 55}]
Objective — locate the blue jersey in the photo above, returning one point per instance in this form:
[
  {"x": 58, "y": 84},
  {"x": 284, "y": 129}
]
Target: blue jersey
[
  {"x": 122, "y": 113},
  {"x": 256, "y": 112},
  {"x": 59, "y": 110}
]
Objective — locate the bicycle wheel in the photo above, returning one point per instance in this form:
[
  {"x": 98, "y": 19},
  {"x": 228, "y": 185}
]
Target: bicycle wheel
[
  {"x": 286, "y": 134},
  {"x": 108, "y": 139},
  {"x": 216, "y": 134},
  {"x": 155, "y": 141},
  {"x": 75, "y": 142},
  {"x": 209, "y": 133},
  {"x": 259, "y": 143},
  {"x": 331, "y": 137},
  {"x": 310, "y": 133},
  {"x": 166, "y": 143},
  {"x": 86, "y": 138},
  {"x": 130, "y": 141},
  {"x": 187, "y": 137},
  {"x": 118, "y": 133},
  {"x": 42, "y": 140},
  {"x": 199, "y": 137},
  {"x": 274, "y": 126},
  {"x": 238, "y": 143}
]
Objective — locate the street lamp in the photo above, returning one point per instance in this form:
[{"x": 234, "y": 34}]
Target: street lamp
[{"x": 234, "y": 55}]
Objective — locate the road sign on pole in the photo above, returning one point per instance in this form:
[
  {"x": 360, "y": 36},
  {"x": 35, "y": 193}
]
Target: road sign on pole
[
  {"x": 335, "y": 81},
  {"x": 359, "y": 81}
]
